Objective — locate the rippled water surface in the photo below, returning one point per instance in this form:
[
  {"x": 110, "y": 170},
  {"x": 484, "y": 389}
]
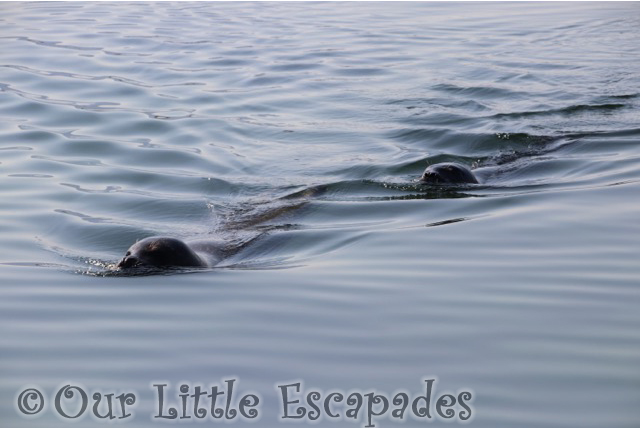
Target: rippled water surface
[{"x": 294, "y": 133}]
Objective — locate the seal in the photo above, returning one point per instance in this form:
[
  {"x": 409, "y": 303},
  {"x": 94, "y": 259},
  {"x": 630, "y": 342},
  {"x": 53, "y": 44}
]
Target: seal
[
  {"x": 164, "y": 252},
  {"x": 448, "y": 173},
  {"x": 161, "y": 252}
]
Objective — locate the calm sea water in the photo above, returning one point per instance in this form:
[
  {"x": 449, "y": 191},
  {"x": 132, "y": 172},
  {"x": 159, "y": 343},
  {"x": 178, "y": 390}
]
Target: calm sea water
[{"x": 296, "y": 131}]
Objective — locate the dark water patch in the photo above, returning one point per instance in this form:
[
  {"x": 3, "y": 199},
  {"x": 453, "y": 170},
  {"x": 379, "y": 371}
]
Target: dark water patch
[
  {"x": 370, "y": 190},
  {"x": 134, "y": 54},
  {"x": 269, "y": 81},
  {"x": 17, "y": 148},
  {"x": 427, "y": 103},
  {"x": 55, "y": 266},
  {"x": 108, "y": 189},
  {"x": 228, "y": 62},
  {"x": 575, "y": 109},
  {"x": 624, "y": 97},
  {"x": 97, "y": 106},
  {"x": 52, "y": 44},
  {"x": 75, "y": 76},
  {"x": 359, "y": 71},
  {"x": 293, "y": 67},
  {"x": 480, "y": 92},
  {"x": 629, "y": 132},
  {"x": 30, "y": 175},
  {"x": 446, "y": 222}
]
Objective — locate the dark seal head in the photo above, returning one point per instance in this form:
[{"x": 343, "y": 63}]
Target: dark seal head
[
  {"x": 448, "y": 173},
  {"x": 161, "y": 252}
]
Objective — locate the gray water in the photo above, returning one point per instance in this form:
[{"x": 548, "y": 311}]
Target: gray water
[{"x": 295, "y": 132}]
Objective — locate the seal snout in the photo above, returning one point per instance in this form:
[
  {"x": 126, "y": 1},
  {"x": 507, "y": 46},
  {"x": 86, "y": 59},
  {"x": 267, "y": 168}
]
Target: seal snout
[
  {"x": 129, "y": 261},
  {"x": 430, "y": 177}
]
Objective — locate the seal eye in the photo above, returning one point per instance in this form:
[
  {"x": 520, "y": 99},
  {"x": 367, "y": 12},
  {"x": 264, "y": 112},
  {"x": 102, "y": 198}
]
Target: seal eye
[{"x": 128, "y": 253}]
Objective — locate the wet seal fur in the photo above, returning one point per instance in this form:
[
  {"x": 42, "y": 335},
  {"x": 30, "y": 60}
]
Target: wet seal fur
[
  {"x": 448, "y": 173},
  {"x": 163, "y": 252}
]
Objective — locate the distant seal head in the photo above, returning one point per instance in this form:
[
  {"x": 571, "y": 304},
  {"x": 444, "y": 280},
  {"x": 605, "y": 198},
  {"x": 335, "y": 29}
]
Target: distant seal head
[
  {"x": 448, "y": 173},
  {"x": 163, "y": 252}
]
